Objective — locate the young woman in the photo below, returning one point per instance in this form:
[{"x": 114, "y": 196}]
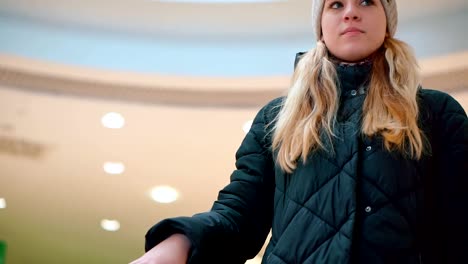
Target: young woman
[{"x": 358, "y": 164}]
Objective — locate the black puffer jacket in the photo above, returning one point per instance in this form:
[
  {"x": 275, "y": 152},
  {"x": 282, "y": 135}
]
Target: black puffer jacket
[{"x": 360, "y": 205}]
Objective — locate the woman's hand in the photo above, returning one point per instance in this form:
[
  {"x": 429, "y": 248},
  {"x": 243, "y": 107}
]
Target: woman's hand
[{"x": 173, "y": 250}]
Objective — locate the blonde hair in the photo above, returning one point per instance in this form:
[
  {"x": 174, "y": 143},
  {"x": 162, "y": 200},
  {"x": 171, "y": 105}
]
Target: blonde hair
[{"x": 308, "y": 114}]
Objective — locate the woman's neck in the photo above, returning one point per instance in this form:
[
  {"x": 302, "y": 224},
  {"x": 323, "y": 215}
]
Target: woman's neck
[
  {"x": 340, "y": 62},
  {"x": 361, "y": 62}
]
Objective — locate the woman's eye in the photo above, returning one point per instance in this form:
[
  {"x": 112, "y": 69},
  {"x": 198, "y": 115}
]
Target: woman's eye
[
  {"x": 336, "y": 5},
  {"x": 367, "y": 2}
]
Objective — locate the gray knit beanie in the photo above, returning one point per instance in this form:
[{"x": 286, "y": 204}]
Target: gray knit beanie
[{"x": 388, "y": 5}]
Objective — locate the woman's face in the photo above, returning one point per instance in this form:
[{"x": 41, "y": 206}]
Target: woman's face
[{"x": 353, "y": 29}]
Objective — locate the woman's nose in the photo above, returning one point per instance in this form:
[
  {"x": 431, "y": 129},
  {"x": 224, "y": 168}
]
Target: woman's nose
[{"x": 351, "y": 13}]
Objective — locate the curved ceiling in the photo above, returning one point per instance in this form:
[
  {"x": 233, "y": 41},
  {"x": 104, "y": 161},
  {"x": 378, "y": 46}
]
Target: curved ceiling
[
  {"x": 38, "y": 76},
  {"x": 234, "y": 40},
  {"x": 267, "y": 18}
]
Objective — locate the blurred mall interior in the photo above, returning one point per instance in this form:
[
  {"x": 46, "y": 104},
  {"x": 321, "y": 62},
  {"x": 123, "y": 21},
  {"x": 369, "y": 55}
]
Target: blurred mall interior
[{"x": 111, "y": 111}]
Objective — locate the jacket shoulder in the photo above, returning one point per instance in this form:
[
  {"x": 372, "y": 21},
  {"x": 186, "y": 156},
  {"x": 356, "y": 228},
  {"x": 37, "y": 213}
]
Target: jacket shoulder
[
  {"x": 272, "y": 108},
  {"x": 439, "y": 103}
]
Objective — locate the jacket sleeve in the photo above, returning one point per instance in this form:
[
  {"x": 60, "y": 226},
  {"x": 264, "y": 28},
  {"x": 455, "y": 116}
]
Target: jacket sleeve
[
  {"x": 448, "y": 211},
  {"x": 240, "y": 219}
]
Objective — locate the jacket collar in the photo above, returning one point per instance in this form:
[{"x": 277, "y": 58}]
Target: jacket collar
[{"x": 351, "y": 76}]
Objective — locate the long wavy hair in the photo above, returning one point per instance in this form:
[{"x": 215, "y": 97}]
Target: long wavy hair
[{"x": 308, "y": 113}]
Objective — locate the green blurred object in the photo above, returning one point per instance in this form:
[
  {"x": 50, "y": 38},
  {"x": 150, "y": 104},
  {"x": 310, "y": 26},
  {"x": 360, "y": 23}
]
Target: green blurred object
[{"x": 3, "y": 247}]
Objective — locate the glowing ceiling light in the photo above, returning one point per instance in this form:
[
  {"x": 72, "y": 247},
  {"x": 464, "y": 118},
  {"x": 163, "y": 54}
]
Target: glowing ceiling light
[
  {"x": 164, "y": 194},
  {"x": 247, "y": 125},
  {"x": 2, "y": 203},
  {"x": 114, "y": 167},
  {"x": 113, "y": 120},
  {"x": 110, "y": 225}
]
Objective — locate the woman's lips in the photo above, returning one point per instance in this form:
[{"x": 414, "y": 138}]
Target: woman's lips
[{"x": 352, "y": 31}]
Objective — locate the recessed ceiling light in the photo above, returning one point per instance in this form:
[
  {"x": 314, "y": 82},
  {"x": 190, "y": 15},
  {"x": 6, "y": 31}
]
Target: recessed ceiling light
[
  {"x": 110, "y": 225},
  {"x": 114, "y": 167},
  {"x": 164, "y": 194},
  {"x": 113, "y": 120},
  {"x": 2, "y": 203},
  {"x": 246, "y": 126}
]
